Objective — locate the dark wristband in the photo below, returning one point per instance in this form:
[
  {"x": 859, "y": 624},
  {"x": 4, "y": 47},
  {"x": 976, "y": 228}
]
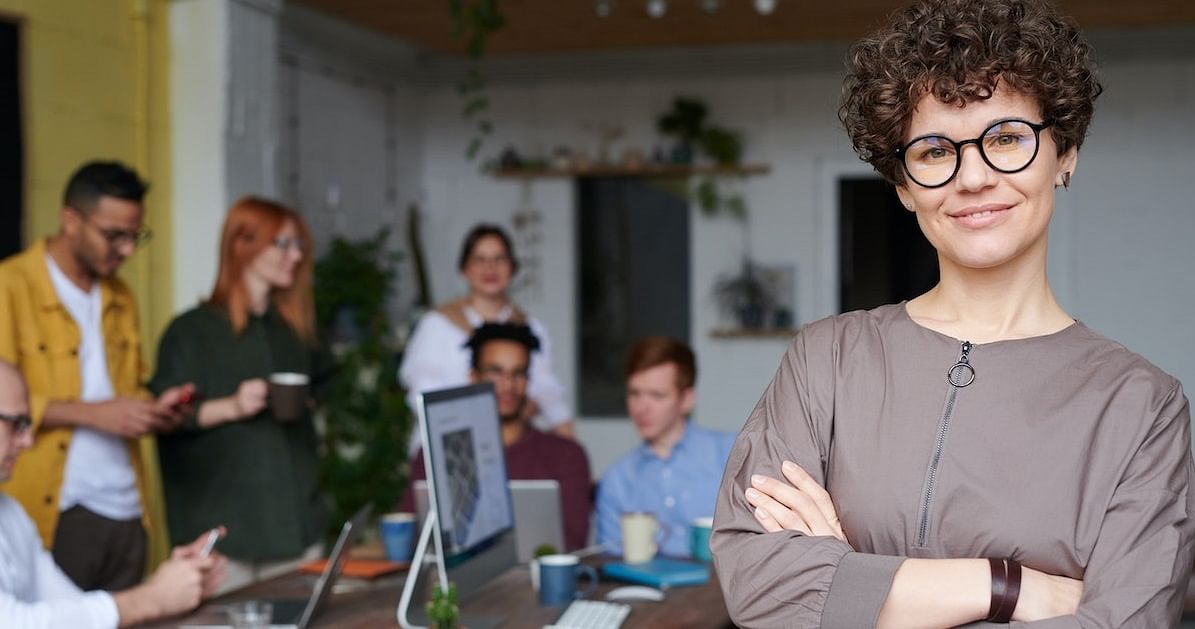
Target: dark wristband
[
  {"x": 1006, "y": 589},
  {"x": 999, "y": 586},
  {"x": 1012, "y": 591}
]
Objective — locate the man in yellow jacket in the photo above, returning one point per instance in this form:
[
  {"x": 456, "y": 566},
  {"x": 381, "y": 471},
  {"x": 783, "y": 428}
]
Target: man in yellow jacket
[{"x": 70, "y": 326}]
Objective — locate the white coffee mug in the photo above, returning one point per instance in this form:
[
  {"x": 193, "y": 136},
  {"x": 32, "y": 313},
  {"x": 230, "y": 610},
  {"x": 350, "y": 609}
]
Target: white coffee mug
[{"x": 641, "y": 536}]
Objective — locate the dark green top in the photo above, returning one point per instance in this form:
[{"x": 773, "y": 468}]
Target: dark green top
[{"x": 259, "y": 477}]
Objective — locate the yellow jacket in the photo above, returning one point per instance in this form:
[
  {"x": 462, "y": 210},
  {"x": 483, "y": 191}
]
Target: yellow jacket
[{"x": 39, "y": 336}]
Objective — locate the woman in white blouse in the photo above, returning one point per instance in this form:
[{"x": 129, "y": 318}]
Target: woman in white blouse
[{"x": 436, "y": 356}]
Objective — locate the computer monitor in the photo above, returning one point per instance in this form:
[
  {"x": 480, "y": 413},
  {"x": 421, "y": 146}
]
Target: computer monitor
[{"x": 465, "y": 463}]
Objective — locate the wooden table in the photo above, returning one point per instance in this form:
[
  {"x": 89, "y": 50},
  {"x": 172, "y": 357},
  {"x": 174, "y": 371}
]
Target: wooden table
[{"x": 371, "y": 605}]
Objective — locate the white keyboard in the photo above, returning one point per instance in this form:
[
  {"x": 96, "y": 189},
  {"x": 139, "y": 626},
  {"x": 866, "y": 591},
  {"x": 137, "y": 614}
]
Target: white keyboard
[{"x": 592, "y": 615}]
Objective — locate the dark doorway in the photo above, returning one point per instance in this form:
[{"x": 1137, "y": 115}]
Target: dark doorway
[
  {"x": 633, "y": 280},
  {"x": 12, "y": 176},
  {"x": 883, "y": 256}
]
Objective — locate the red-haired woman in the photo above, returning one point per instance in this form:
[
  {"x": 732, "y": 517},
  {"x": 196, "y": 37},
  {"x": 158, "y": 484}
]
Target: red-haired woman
[{"x": 232, "y": 462}]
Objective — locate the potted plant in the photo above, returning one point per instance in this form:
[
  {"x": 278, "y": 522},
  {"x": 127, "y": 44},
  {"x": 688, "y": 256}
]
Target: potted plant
[
  {"x": 723, "y": 146},
  {"x": 363, "y": 419},
  {"x": 442, "y": 609},
  {"x": 685, "y": 123},
  {"x": 745, "y": 296}
]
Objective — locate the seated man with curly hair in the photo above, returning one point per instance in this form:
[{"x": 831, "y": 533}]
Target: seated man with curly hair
[{"x": 501, "y": 354}]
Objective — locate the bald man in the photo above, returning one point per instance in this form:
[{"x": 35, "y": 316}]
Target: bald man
[{"x": 34, "y": 592}]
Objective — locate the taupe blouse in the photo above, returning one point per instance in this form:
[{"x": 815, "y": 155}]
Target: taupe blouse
[{"x": 1066, "y": 452}]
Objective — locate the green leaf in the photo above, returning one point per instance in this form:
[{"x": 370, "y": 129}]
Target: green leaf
[
  {"x": 736, "y": 206},
  {"x": 475, "y": 105},
  {"x": 707, "y": 195}
]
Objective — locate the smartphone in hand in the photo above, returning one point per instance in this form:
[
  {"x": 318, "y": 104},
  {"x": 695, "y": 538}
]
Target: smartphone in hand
[
  {"x": 190, "y": 397},
  {"x": 213, "y": 536}
]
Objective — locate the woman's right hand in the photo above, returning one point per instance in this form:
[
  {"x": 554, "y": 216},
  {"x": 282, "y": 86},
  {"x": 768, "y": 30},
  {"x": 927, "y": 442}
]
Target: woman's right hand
[
  {"x": 250, "y": 398},
  {"x": 1046, "y": 596}
]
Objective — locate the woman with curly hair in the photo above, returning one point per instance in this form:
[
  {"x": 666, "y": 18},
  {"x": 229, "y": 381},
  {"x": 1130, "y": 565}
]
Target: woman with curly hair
[{"x": 973, "y": 455}]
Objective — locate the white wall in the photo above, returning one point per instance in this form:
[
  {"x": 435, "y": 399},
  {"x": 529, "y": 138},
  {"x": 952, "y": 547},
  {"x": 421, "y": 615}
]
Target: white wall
[
  {"x": 199, "y": 32},
  {"x": 1134, "y": 214},
  {"x": 349, "y": 158},
  {"x": 1121, "y": 248},
  {"x": 224, "y": 125}
]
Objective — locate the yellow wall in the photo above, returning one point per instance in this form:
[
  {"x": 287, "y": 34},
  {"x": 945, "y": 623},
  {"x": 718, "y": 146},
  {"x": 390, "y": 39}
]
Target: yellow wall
[{"x": 96, "y": 85}]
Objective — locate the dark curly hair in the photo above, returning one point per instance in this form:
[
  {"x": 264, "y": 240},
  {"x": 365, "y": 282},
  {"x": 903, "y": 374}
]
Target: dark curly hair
[
  {"x": 512, "y": 332},
  {"x": 958, "y": 50}
]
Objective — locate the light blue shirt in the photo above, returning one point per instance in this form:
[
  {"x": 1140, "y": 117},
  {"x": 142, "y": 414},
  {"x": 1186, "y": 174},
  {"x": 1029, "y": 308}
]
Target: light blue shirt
[{"x": 677, "y": 489}]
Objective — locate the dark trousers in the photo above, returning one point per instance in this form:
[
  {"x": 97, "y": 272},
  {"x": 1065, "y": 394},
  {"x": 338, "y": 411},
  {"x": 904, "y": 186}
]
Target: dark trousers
[{"x": 98, "y": 553}]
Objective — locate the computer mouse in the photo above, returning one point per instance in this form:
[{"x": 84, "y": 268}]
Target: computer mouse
[{"x": 635, "y": 593}]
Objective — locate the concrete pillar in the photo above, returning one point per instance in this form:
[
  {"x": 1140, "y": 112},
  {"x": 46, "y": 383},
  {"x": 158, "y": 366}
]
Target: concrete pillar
[{"x": 224, "y": 68}]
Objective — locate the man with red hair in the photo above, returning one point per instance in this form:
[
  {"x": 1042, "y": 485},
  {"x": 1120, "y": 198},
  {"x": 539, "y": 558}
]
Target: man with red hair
[
  {"x": 676, "y": 471},
  {"x": 70, "y": 326}
]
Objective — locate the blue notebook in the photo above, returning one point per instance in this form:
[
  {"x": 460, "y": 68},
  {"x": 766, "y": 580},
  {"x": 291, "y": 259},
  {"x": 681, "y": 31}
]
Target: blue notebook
[{"x": 660, "y": 573}]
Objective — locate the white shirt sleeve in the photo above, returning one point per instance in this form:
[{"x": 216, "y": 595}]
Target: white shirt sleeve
[
  {"x": 543, "y": 386},
  {"x": 91, "y": 610},
  {"x": 434, "y": 358},
  {"x": 51, "y": 600}
]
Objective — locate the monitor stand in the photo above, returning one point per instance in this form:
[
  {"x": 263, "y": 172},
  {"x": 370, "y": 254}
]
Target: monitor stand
[
  {"x": 403, "y": 613},
  {"x": 430, "y": 525}
]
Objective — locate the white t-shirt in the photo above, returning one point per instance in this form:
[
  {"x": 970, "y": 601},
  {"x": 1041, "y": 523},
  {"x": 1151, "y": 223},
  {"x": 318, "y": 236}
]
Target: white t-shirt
[
  {"x": 98, "y": 473},
  {"x": 436, "y": 358},
  {"x": 34, "y": 593}
]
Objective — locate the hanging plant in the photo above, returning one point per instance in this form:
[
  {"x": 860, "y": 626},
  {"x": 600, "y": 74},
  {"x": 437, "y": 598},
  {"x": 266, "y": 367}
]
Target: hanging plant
[
  {"x": 687, "y": 123},
  {"x": 473, "y": 21}
]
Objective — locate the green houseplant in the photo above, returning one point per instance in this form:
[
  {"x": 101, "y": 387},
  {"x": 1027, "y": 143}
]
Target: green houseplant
[
  {"x": 686, "y": 122},
  {"x": 364, "y": 416},
  {"x": 442, "y": 609},
  {"x": 745, "y": 296}
]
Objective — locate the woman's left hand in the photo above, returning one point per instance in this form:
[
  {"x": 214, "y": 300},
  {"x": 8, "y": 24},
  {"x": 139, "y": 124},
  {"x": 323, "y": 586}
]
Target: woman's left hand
[{"x": 800, "y": 504}]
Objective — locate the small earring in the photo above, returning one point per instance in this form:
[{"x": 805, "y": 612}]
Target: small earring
[{"x": 1066, "y": 180}]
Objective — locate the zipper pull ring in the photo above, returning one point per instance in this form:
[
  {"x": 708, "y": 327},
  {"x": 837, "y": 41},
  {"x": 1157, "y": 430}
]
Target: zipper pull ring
[{"x": 962, "y": 373}]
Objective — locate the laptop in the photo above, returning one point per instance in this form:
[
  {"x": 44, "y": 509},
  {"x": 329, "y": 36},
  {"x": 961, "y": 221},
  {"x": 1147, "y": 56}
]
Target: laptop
[
  {"x": 298, "y": 613},
  {"x": 538, "y": 516}
]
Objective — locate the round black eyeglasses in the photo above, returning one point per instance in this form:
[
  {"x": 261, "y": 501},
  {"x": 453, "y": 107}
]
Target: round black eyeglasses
[{"x": 1008, "y": 146}]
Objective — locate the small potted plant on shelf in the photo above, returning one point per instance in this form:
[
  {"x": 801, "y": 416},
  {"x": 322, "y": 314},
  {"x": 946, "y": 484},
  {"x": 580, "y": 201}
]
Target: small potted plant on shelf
[
  {"x": 746, "y": 297},
  {"x": 685, "y": 123}
]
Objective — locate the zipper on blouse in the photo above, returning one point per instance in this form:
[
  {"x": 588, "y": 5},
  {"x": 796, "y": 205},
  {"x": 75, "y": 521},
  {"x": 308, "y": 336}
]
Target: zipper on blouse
[{"x": 960, "y": 374}]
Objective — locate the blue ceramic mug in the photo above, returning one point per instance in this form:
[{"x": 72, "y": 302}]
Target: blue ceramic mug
[
  {"x": 398, "y": 536},
  {"x": 558, "y": 579},
  {"x": 699, "y": 538}
]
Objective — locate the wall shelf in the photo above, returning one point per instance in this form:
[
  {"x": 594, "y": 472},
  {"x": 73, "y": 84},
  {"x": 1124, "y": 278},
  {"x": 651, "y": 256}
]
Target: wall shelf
[
  {"x": 743, "y": 333},
  {"x": 646, "y": 170}
]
